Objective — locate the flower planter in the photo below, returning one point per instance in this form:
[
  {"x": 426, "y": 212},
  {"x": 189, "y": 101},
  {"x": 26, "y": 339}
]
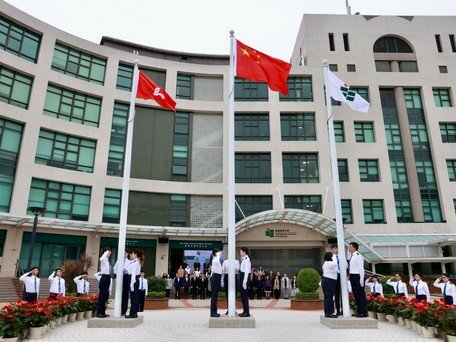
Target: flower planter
[
  {"x": 391, "y": 319},
  {"x": 408, "y": 323},
  {"x": 306, "y": 304},
  {"x": 451, "y": 338},
  {"x": 65, "y": 319},
  {"x": 88, "y": 314},
  {"x": 58, "y": 321},
  {"x": 156, "y": 303},
  {"x": 80, "y": 316},
  {"x": 372, "y": 314},
  {"x": 381, "y": 316},
  {"x": 53, "y": 323},
  {"x": 9, "y": 339},
  {"x": 72, "y": 317},
  {"x": 415, "y": 327},
  {"x": 401, "y": 321},
  {"x": 36, "y": 332},
  {"x": 222, "y": 303},
  {"x": 427, "y": 332}
]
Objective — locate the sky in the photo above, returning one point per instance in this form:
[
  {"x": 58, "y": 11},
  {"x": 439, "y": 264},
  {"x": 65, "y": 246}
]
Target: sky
[{"x": 203, "y": 26}]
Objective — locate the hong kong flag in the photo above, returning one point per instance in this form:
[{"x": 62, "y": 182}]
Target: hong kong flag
[{"x": 147, "y": 89}]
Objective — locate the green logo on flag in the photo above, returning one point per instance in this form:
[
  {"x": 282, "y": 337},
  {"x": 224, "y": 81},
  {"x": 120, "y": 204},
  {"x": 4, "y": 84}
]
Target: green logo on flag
[
  {"x": 349, "y": 94},
  {"x": 269, "y": 233}
]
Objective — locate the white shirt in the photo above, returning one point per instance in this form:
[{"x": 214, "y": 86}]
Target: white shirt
[
  {"x": 143, "y": 284},
  {"x": 98, "y": 277},
  {"x": 286, "y": 283},
  {"x": 402, "y": 286},
  {"x": 349, "y": 287},
  {"x": 104, "y": 263},
  {"x": 187, "y": 269},
  {"x": 335, "y": 258},
  {"x": 82, "y": 285},
  {"x": 421, "y": 289},
  {"x": 127, "y": 263},
  {"x": 226, "y": 264},
  {"x": 246, "y": 268},
  {"x": 450, "y": 289},
  {"x": 32, "y": 283},
  {"x": 169, "y": 283},
  {"x": 330, "y": 270},
  {"x": 216, "y": 265},
  {"x": 57, "y": 284},
  {"x": 134, "y": 269},
  {"x": 375, "y": 287},
  {"x": 357, "y": 265}
]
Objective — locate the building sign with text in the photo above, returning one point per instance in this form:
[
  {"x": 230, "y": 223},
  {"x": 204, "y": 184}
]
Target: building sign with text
[{"x": 280, "y": 233}]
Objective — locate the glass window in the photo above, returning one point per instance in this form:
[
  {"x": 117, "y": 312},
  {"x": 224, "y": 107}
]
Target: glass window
[
  {"x": 346, "y": 42},
  {"x": 118, "y": 139},
  {"x": 448, "y": 132},
  {"x": 347, "y": 212},
  {"x": 15, "y": 87},
  {"x": 333, "y": 67},
  {"x": 65, "y": 151},
  {"x": 342, "y": 165},
  {"x": 60, "y": 200},
  {"x": 184, "y": 86},
  {"x": 157, "y": 76},
  {"x": 299, "y": 89},
  {"x": 373, "y": 211},
  {"x": 251, "y": 126},
  {"x": 251, "y": 205},
  {"x": 364, "y": 132},
  {"x": 331, "y": 42},
  {"x": 111, "y": 206},
  {"x": 408, "y": 66},
  {"x": 442, "y": 97},
  {"x": 438, "y": 43},
  {"x": 253, "y": 167},
  {"x": 368, "y": 170},
  {"x": 124, "y": 77},
  {"x": 178, "y": 211},
  {"x": 79, "y": 64},
  {"x": 339, "y": 131},
  {"x": 443, "y": 69},
  {"x": 382, "y": 66},
  {"x": 18, "y": 40},
  {"x": 362, "y": 91},
  {"x": 392, "y": 44},
  {"x": 298, "y": 126},
  {"x": 300, "y": 168},
  {"x": 250, "y": 91},
  {"x": 180, "y": 167},
  {"x": 351, "y": 67},
  {"x": 305, "y": 202},
  {"x": 451, "y": 168},
  {"x": 73, "y": 106}
]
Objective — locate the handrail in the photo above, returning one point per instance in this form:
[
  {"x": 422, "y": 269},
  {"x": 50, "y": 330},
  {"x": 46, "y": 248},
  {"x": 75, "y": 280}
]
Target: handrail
[{"x": 18, "y": 270}]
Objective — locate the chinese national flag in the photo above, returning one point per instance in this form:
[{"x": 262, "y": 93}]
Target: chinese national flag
[
  {"x": 253, "y": 65},
  {"x": 147, "y": 89}
]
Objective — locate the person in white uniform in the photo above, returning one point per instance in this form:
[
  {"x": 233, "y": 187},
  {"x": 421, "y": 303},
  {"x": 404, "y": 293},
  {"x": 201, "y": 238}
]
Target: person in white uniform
[
  {"x": 246, "y": 269},
  {"x": 104, "y": 283},
  {"x": 143, "y": 290},
  {"x": 356, "y": 271},
  {"x": 420, "y": 287},
  {"x": 375, "y": 287},
  {"x": 216, "y": 280},
  {"x": 57, "y": 284},
  {"x": 82, "y": 285},
  {"x": 400, "y": 288},
  {"x": 328, "y": 284},
  {"x": 31, "y": 285},
  {"x": 125, "y": 282},
  {"x": 98, "y": 277},
  {"x": 448, "y": 289},
  {"x": 134, "y": 270}
]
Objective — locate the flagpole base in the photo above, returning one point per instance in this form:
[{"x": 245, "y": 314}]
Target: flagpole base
[
  {"x": 232, "y": 322},
  {"x": 349, "y": 323}
]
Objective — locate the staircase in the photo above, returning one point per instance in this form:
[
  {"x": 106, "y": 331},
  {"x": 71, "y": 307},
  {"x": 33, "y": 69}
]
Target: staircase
[{"x": 8, "y": 290}]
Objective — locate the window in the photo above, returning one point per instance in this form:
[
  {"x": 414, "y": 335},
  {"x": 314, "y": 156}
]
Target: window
[
  {"x": 60, "y": 200},
  {"x": 253, "y": 167},
  {"x": 346, "y": 42},
  {"x": 391, "y": 44},
  {"x": 79, "y": 64},
  {"x": 404, "y": 210},
  {"x": 299, "y": 89},
  {"x": 180, "y": 147},
  {"x": 331, "y": 42},
  {"x": 251, "y": 205},
  {"x": 362, "y": 91},
  {"x": 438, "y": 43},
  {"x": 184, "y": 86},
  {"x": 382, "y": 66},
  {"x": 351, "y": 67},
  {"x": 70, "y": 105},
  {"x": 111, "y": 206},
  {"x": 298, "y": 126},
  {"x": 364, "y": 132},
  {"x": 124, "y": 77},
  {"x": 300, "y": 168},
  {"x": 342, "y": 165},
  {"x": 451, "y": 168},
  {"x": 305, "y": 202},
  {"x": 178, "y": 210},
  {"x": 333, "y": 67},
  {"x": 347, "y": 212},
  {"x": 448, "y": 132},
  {"x": 431, "y": 209},
  {"x": 408, "y": 66},
  {"x": 442, "y": 97},
  {"x": 443, "y": 69},
  {"x": 452, "y": 43},
  {"x": 15, "y": 87},
  {"x": 373, "y": 211},
  {"x": 18, "y": 40},
  {"x": 65, "y": 151},
  {"x": 251, "y": 126},
  {"x": 368, "y": 170},
  {"x": 339, "y": 131},
  {"x": 10, "y": 143},
  {"x": 158, "y": 76},
  {"x": 118, "y": 139},
  {"x": 250, "y": 91}
]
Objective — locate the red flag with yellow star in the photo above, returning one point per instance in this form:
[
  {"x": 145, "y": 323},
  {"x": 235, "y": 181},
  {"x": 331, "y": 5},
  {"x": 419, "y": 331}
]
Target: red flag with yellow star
[{"x": 254, "y": 65}]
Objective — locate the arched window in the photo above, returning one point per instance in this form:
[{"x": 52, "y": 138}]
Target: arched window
[{"x": 392, "y": 44}]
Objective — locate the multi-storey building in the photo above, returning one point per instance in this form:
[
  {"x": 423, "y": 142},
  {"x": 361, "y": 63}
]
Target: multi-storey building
[{"x": 63, "y": 115}]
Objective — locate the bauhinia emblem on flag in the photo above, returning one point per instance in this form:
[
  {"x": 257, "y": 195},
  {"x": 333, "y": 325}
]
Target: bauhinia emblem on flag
[
  {"x": 340, "y": 91},
  {"x": 147, "y": 89},
  {"x": 254, "y": 65}
]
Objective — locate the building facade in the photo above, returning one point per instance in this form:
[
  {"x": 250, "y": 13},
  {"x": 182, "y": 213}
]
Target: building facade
[{"x": 64, "y": 103}]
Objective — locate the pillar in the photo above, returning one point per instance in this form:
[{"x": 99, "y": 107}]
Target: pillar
[
  {"x": 410, "y": 270},
  {"x": 11, "y": 252},
  {"x": 373, "y": 268},
  {"x": 442, "y": 264},
  {"x": 161, "y": 259}
]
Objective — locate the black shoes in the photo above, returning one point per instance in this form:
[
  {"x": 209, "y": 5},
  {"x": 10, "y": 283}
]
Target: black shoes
[
  {"x": 331, "y": 316},
  {"x": 339, "y": 313},
  {"x": 215, "y": 315},
  {"x": 131, "y": 316},
  {"x": 102, "y": 316},
  {"x": 244, "y": 315},
  {"x": 362, "y": 315}
]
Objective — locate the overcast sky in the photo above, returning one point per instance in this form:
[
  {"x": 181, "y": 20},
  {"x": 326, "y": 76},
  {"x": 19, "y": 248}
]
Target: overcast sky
[{"x": 203, "y": 25}]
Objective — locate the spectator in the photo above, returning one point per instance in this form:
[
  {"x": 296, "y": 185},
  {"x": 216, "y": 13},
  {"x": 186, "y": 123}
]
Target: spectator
[
  {"x": 267, "y": 287},
  {"x": 178, "y": 282},
  {"x": 276, "y": 287},
  {"x": 286, "y": 286},
  {"x": 169, "y": 284},
  {"x": 180, "y": 272},
  {"x": 260, "y": 287},
  {"x": 294, "y": 286},
  {"x": 251, "y": 289}
]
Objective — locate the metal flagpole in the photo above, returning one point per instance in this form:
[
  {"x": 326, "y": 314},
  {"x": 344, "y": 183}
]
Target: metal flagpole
[
  {"x": 231, "y": 186},
  {"x": 125, "y": 194},
  {"x": 337, "y": 205}
]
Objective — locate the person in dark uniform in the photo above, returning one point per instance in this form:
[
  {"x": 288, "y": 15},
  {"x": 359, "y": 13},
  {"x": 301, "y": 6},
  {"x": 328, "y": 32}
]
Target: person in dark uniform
[
  {"x": 356, "y": 271},
  {"x": 246, "y": 269},
  {"x": 216, "y": 280},
  {"x": 31, "y": 285},
  {"x": 125, "y": 282},
  {"x": 196, "y": 265},
  {"x": 143, "y": 290},
  {"x": 328, "y": 284},
  {"x": 104, "y": 283},
  {"x": 448, "y": 289},
  {"x": 204, "y": 285},
  {"x": 193, "y": 286},
  {"x": 134, "y": 270}
]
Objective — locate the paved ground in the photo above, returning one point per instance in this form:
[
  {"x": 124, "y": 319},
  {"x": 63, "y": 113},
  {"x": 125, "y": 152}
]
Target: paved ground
[{"x": 190, "y": 324}]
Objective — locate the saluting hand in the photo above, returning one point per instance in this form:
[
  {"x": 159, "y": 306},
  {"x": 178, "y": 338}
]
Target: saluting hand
[
  {"x": 244, "y": 285},
  {"x": 132, "y": 287}
]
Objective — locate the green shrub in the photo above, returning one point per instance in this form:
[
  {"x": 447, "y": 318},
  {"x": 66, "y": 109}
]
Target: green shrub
[
  {"x": 156, "y": 294},
  {"x": 308, "y": 280},
  {"x": 387, "y": 290},
  {"x": 156, "y": 284},
  {"x": 306, "y": 295}
]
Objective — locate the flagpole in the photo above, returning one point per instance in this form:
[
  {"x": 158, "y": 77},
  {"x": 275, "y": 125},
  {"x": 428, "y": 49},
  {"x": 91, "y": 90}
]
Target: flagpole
[
  {"x": 125, "y": 195},
  {"x": 231, "y": 187},
  {"x": 337, "y": 203}
]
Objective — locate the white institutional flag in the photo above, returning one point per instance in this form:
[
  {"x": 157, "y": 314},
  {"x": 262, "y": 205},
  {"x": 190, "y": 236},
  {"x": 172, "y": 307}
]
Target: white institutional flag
[{"x": 340, "y": 91}]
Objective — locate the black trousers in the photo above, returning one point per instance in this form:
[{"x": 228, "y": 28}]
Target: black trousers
[
  {"x": 134, "y": 297},
  {"x": 329, "y": 291},
  {"x": 142, "y": 298},
  {"x": 194, "y": 292},
  {"x": 103, "y": 295},
  {"x": 358, "y": 292},
  {"x": 177, "y": 292},
  {"x": 168, "y": 292},
  {"x": 215, "y": 288},
  {"x": 337, "y": 297},
  {"x": 244, "y": 294},
  {"x": 421, "y": 297},
  {"x": 276, "y": 294},
  {"x": 32, "y": 297},
  {"x": 448, "y": 300},
  {"x": 125, "y": 293},
  {"x": 225, "y": 281}
]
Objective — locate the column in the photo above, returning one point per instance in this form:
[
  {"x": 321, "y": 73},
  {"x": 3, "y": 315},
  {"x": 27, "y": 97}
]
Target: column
[
  {"x": 12, "y": 249},
  {"x": 410, "y": 270},
  {"x": 161, "y": 258}
]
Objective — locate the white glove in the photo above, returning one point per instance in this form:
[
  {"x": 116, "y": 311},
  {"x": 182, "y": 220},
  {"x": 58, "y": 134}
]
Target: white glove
[
  {"x": 132, "y": 287},
  {"x": 244, "y": 286},
  {"x": 222, "y": 284}
]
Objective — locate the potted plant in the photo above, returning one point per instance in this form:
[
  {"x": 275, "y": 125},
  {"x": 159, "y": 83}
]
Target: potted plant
[
  {"x": 399, "y": 310},
  {"x": 447, "y": 322},
  {"x": 371, "y": 306},
  {"x": 381, "y": 308},
  {"x": 72, "y": 308},
  {"x": 80, "y": 307},
  {"x": 352, "y": 304},
  {"x": 155, "y": 299},
  {"x": 11, "y": 323},
  {"x": 307, "y": 298},
  {"x": 36, "y": 317},
  {"x": 423, "y": 316}
]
